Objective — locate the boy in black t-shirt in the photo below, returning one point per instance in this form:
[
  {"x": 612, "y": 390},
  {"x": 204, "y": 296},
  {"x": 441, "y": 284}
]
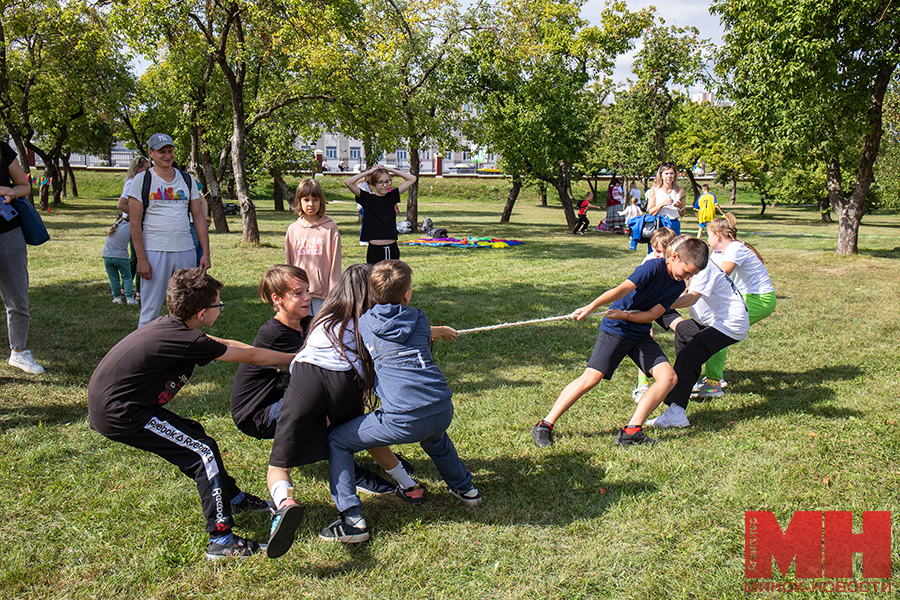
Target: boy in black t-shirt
[
  {"x": 379, "y": 210},
  {"x": 257, "y": 392},
  {"x": 147, "y": 368},
  {"x": 625, "y": 331}
]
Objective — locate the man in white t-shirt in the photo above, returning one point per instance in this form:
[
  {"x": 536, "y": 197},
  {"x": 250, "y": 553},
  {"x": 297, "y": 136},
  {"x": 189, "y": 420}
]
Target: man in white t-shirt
[
  {"x": 162, "y": 235},
  {"x": 719, "y": 318}
]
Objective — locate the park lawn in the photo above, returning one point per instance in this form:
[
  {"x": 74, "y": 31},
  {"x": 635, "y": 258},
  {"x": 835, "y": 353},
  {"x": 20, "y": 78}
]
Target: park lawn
[{"x": 809, "y": 423}]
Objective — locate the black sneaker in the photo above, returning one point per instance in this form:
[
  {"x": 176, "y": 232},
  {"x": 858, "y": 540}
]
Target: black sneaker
[
  {"x": 413, "y": 495},
  {"x": 284, "y": 527},
  {"x": 346, "y": 533},
  {"x": 470, "y": 497},
  {"x": 370, "y": 482},
  {"x": 638, "y": 437},
  {"x": 542, "y": 434},
  {"x": 239, "y": 548},
  {"x": 252, "y": 503}
]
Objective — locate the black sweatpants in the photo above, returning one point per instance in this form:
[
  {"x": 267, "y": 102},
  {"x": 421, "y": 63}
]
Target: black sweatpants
[
  {"x": 582, "y": 224},
  {"x": 694, "y": 345},
  {"x": 184, "y": 443}
]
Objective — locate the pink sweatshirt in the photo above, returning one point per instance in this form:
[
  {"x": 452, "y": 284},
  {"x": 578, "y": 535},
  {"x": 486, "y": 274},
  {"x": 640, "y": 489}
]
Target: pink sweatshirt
[{"x": 315, "y": 248}]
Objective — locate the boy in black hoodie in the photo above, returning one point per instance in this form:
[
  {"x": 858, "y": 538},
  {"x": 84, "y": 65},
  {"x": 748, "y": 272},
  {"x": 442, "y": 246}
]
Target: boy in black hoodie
[{"x": 415, "y": 401}]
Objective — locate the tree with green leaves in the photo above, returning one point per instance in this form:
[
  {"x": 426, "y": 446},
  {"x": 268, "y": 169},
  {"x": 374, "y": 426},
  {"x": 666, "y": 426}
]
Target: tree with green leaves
[
  {"x": 531, "y": 68},
  {"x": 809, "y": 79},
  {"x": 270, "y": 56},
  {"x": 59, "y": 68}
]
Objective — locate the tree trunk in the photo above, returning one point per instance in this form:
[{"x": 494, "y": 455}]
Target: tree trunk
[
  {"x": 825, "y": 209},
  {"x": 412, "y": 200},
  {"x": 369, "y": 146},
  {"x": 733, "y": 190},
  {"x": 542, "y": 190},
  {"x": 70, "y": 176},
  {"x": 562, "y": 188},
  {"x": 282, "y": 190},
  {"x": 851, "y": 213},
  {"x": 64, "y": 176},
  {"x": 511, "y": 198},
  {"x": 762, "y": 200},
  {"x": 694, "y": 187},
  {"x": 213, "y": 192}
]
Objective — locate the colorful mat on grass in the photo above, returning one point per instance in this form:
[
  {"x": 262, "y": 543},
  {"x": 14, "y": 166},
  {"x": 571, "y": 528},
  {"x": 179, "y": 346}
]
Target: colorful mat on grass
[{"x": 466, "y": 242}]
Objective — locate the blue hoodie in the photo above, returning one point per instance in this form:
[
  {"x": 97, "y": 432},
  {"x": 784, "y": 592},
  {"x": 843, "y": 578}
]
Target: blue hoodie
[{"x": 406, "y": 378}]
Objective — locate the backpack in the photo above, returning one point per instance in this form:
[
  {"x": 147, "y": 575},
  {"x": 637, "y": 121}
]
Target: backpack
[{"x": 145, "y": 189}]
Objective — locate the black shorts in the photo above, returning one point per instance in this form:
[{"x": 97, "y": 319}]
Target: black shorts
[
  {"x": 375, "y": 254},
  {"x": 315, "y": 398},
  {"x": 610, "y": 349}
]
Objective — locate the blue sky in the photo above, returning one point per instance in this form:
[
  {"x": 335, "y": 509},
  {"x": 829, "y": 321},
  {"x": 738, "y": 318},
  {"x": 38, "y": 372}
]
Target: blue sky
[{"x": 682, "y": 13}]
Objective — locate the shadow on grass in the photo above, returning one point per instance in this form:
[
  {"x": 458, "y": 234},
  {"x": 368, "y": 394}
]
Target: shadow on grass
[
  {"x": 895, "y": 253},
  {"x": 783, "y": 392}
]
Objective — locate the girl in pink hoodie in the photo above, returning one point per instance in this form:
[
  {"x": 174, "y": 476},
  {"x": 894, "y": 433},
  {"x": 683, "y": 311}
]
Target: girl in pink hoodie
[{"x": 313, "y": 242}]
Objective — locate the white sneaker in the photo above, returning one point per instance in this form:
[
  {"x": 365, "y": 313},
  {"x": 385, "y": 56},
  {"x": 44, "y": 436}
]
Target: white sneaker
[
  {"x": 673, "y": 416},
  {"x": 696, "y": 389},
  {"x": 25, "y": 361},
  {"x": 637, "y": 392},
  {"x": 118, "y": 300},
  {"x": 131, "y": 302}
]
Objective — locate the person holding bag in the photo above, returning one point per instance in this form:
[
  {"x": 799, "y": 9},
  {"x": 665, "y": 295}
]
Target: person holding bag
[{"x": 14, "y": 261}]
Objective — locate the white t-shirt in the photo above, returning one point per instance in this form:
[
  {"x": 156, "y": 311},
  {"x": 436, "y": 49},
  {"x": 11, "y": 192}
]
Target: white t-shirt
[
  {"x": 660, "y": 196},
  {"x": 720, "y": 305},
  {"x": 126, "y": 189},
  {"x": 319, "y": 351},
  {"x": 750, "y": 274},
  {"x": 635, "y": 193},
  {"x": 166, "y": 225}
]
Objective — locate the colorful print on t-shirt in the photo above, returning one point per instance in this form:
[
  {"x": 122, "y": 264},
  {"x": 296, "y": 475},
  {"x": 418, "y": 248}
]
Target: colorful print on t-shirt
[
  {"x": 168, "y": 194},
  {"x": 310, "y": 246}
]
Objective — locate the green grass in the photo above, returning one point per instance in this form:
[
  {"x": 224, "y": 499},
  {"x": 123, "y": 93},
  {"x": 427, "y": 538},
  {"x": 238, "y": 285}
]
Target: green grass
[{"x": 809, "y": 423}]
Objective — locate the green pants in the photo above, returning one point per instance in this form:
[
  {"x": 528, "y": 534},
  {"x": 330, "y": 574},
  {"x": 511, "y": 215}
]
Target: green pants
[{"x": 759, "y": 306}]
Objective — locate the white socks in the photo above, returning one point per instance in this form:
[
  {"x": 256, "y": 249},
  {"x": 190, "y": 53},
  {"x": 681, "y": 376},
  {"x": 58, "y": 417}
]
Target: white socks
[{"x": 401, "y": 476}]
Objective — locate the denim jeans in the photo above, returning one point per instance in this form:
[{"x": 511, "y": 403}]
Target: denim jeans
[{"x": 379, "y": 429}]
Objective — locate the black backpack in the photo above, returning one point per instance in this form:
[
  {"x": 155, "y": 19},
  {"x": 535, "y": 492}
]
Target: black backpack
[{"x": 145, "y": 189}]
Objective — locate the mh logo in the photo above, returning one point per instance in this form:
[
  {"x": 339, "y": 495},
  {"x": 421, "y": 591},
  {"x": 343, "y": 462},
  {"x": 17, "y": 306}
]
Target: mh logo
[{"x": 823, "y": 544}]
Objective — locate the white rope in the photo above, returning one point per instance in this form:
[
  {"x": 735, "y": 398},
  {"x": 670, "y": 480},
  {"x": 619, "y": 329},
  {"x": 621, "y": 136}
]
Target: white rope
[{"x": 503, "y": 325}]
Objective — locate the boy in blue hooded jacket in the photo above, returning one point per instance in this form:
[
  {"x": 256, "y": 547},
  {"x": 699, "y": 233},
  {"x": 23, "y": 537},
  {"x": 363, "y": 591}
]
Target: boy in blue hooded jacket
[{"x": 415, "y": 402}]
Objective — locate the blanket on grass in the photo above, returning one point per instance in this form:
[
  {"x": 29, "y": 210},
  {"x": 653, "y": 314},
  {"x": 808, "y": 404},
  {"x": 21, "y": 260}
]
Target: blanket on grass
[{"x": 467, "y": 242}]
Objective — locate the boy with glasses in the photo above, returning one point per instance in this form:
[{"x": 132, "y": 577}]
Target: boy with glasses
[{"x": 147, "y": 368}]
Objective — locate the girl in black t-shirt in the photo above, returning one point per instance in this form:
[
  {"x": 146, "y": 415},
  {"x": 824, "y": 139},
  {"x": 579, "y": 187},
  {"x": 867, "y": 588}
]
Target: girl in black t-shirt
[{"x": 379, "y": 215}]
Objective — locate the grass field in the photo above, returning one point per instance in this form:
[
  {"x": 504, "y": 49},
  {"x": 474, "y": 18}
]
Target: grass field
[{"x": 810, "y": 422}]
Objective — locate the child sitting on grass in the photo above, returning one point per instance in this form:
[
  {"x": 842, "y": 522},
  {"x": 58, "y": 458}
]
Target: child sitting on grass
[
  {"x": 415, "y": 402},
  {"x": 146, "y": 369},
  {"x": 625, "y": 331}
]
